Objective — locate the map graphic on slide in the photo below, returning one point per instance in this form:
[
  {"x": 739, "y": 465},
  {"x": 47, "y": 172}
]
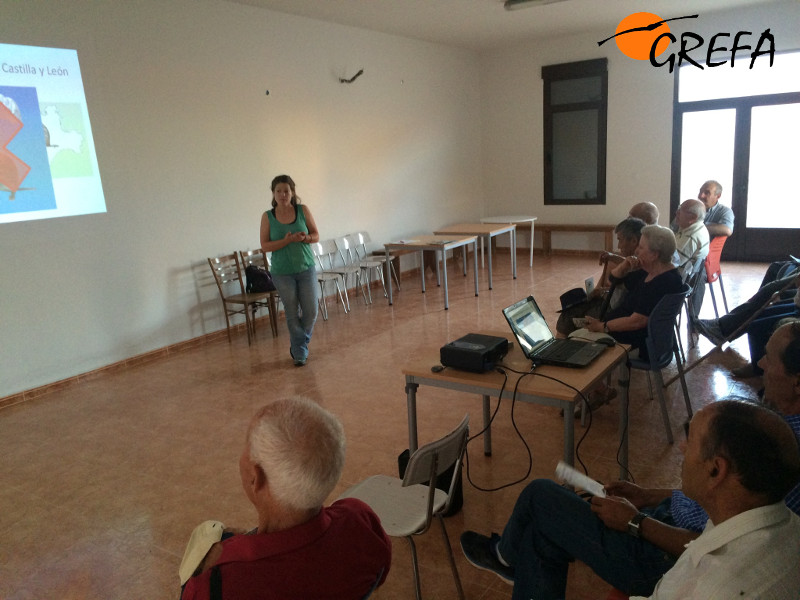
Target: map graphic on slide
[
  {"x": 25, "y": 180},
  {"x": 48, "y": 160}
]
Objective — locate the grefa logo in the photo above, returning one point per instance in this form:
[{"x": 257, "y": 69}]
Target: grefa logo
[{"x": 645, "y": 36}]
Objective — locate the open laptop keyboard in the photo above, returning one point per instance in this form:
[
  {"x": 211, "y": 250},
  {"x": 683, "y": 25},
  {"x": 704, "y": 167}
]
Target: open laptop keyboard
[{"x": 562, "y": 350}]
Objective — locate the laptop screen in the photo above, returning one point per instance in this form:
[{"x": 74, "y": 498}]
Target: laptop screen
[{"x": 528, "y": 325}]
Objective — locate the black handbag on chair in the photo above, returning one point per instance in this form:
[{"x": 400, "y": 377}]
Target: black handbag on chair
[{"x": 258, "y": 279}]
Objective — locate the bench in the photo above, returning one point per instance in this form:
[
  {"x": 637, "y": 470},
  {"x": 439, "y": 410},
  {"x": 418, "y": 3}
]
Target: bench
[{"x": 547, "y": 230}]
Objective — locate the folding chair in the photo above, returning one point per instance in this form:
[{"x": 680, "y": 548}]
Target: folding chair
[
  {"x": 407, "y": 506},
  {"x": 350, "y": 265},
  {"x": 662, "y": 347},
  {"x": 360, "y": 241},
  {"x": 324, "y": 275}
]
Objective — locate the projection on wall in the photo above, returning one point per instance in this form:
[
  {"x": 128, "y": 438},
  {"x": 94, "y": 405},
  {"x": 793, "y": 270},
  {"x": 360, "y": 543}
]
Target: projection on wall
[{"x": 48, "y": 165}]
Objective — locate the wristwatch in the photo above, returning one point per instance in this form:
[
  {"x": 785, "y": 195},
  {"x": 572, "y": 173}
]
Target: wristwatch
[
  {"x": 605, "y": 327},
  {"x": 635, "y": 524}
]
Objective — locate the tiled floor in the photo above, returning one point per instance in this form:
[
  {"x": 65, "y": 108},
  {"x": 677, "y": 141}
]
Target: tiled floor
[{"x": 104, "y": 481}]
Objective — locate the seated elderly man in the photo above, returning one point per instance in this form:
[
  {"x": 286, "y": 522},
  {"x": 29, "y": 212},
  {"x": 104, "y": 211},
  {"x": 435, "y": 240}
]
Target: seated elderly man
[
  {"x": 628, "y": 233},
  {"x": 738, "y": 465},
  {"x": 292, "y": 460},
  {"x": 691, "y": 239},
  {"x": 646, "y": 211}
]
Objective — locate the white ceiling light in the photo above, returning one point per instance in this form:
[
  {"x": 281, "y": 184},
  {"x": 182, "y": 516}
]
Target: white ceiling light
[{"x": 515, "y": 4}]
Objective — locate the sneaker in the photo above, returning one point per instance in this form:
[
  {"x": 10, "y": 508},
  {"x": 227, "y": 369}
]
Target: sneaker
[
  {"x": 481, "y": 552},
  {"x": 298, "y": 362},
  {"x": 710, "y": 329}
]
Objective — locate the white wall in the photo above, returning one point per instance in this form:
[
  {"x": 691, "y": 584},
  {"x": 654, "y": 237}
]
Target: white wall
[
  {"x": 188, "y": 142},
  {"x": 639, "y": 117}
]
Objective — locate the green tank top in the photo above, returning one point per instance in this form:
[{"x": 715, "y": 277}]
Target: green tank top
[{"x": 294, "y": 258}]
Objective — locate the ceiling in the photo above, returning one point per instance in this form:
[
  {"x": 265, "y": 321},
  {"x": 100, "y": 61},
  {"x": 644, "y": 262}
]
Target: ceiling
[{"x": 484, "y": 24}]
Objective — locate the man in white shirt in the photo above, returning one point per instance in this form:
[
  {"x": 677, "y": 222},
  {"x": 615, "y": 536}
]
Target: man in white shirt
[
  {"x": 691, "y": 238},
  {"x": 740, "y": 461}
]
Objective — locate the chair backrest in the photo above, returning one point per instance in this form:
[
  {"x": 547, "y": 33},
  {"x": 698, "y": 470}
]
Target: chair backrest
[
  {"x": 712, "y": 260},
  {"x": 346, "y": 250},
  {"x": 361, "y": 240},
  {"x": 255, "y": 257},
  {"x": 661, "y": 327},
  {"x": 227, "y": 270},
  {"x": 324, "y": 250},
  {"x": 433, "y": 459}
]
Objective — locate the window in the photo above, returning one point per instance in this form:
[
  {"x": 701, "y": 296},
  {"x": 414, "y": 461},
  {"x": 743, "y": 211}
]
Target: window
[
  {"x": 575, "y": 106},
  {"x": 740, "y": 126}
]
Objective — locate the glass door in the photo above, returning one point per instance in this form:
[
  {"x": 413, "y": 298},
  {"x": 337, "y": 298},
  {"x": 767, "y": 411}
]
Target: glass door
[{"x": 742, "y": 129}]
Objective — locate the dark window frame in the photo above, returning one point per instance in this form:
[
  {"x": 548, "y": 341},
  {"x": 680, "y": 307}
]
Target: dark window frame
[{"x": 561, "y": 72}]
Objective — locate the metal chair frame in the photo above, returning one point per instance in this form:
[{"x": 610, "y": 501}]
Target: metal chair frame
[
  {"x": 662, "y": 347},
  {"x": 407, "y": 507}
]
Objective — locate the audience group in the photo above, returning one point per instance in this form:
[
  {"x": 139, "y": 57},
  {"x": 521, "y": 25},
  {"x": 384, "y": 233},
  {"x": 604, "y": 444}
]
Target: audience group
[{"x": 730, "y": 531}]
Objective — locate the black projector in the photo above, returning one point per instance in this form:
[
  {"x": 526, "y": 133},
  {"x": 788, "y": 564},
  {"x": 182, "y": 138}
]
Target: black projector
[{"x": 474, "y": 352}]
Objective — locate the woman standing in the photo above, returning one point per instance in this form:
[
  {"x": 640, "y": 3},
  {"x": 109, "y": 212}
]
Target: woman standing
[{"x": 287, "y": 232}]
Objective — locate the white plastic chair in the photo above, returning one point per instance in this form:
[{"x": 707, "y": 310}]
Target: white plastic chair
[
  {"x": 350, "y": 266},
  {"x": 407, "y": 506},
  {"x": 360, "y": 241},
  {"x": 324, "y": 276}
]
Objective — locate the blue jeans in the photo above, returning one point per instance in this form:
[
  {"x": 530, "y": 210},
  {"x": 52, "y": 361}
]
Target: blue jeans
[
  {"x": 299, "y": 296},
  {"x": 551, "y": 526}
]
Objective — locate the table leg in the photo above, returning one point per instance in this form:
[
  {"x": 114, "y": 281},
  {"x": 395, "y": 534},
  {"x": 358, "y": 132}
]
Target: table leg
[
  {"x": 463, "y": 257},
  {"x": 389, "y": 258},
  {"x": 569, "y": 433},
  {"x": 475, "y": 265},
  {"x": 489, "y": 253},
  {"x": 531, "y": 243},
  {"x": 487, "y": 434},
  {"x": 422, "y": 268},
  {"x": 624, "y": 385},
  {"x": 444, "y": 260},
  {"x": 514, "y": 252},
  {"x": 411, "y": 404},
  {"x": 444, "y": 277}
]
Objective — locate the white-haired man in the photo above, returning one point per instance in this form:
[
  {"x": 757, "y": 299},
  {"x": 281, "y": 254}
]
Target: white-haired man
[
  {"x": 691, "y": 238},
  {"x": 291, "y": 462}
]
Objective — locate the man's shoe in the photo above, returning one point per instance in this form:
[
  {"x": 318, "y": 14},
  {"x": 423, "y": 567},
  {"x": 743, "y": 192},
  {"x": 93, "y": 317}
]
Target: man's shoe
[
  {"x": 481, "y": 552},
  {"x": 710, "y": 329},
  {"x": 744, "y": 371}
]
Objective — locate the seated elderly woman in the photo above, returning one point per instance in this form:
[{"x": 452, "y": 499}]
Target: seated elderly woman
[{"x": 648, "y": 276}]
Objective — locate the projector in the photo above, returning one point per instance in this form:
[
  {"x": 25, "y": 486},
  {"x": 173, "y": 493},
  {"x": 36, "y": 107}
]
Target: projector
[{"x": 474, "y": 352}]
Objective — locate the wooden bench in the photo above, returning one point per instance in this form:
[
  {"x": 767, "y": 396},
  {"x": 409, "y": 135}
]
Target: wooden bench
[{"x": 547, "y": 230}]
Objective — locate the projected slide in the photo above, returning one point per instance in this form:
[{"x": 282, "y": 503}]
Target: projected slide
[{"x": 48, "y": 165}]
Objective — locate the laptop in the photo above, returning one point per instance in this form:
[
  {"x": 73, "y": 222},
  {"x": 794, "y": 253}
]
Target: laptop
[{"x": 537, "y": 341}]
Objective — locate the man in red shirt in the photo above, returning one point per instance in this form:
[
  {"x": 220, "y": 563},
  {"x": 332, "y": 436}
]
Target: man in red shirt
[{"x": 292, "y": 460}]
